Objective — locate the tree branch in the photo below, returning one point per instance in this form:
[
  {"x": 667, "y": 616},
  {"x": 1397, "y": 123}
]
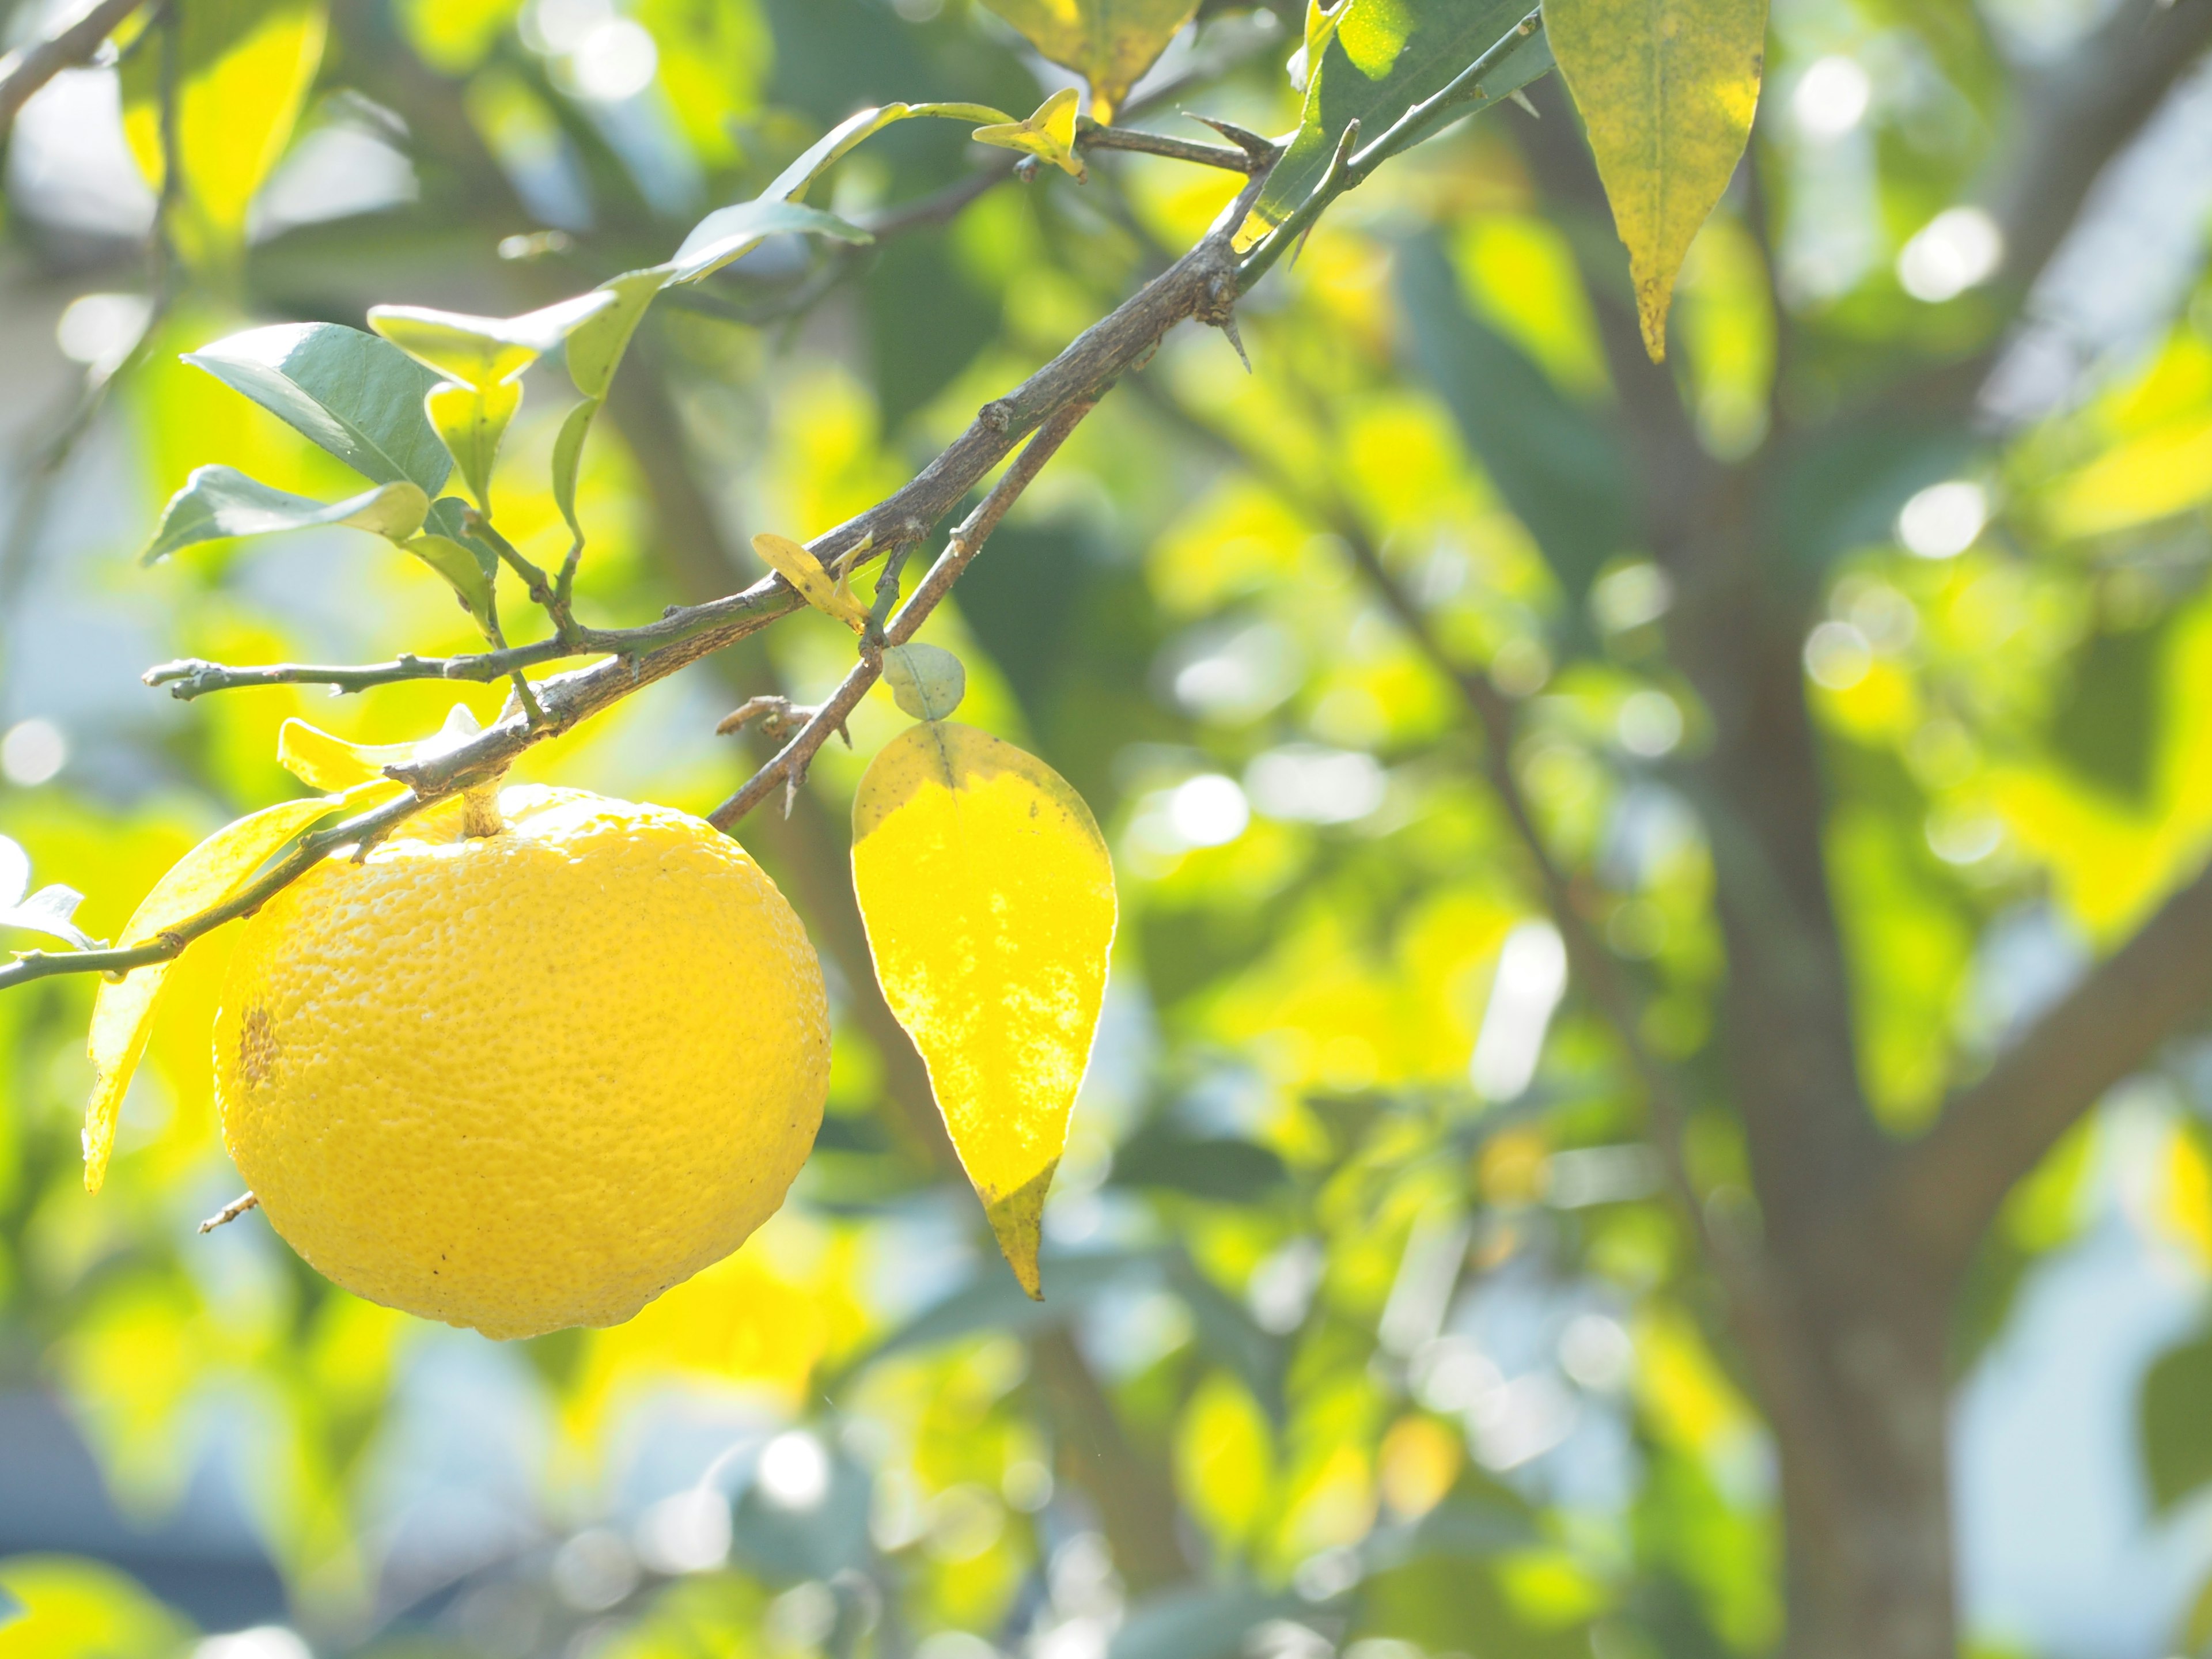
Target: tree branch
[
  {"x": 23, "y": 72},
  {"x": 1946, "y": 1185},
  {"x": 789, "y": 766}
]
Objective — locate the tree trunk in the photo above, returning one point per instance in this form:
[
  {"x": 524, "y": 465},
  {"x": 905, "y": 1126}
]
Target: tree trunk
[{"x": 1864, "y": 1452}]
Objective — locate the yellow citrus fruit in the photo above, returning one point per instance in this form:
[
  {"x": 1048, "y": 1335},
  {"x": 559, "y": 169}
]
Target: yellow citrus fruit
[{"x": 526, "y": 1080}]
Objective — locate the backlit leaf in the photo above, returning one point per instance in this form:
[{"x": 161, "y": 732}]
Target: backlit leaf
[
  {"x": 324, "y": 761},
  {"x": 123, "y": 1012},
  {"x": 798, "y": 567},
  {"x": 483, "y": 351},
  {"x": 730, "y": 233},
  {"x": 217, "y": 501},
  {"x": 568, "y": 459},
  {"x": 1383, "y": 58},
  {"x": 356, "y": 396},
  {"x": 1109, "y": 43},
  {"x": 244, "y": 71},
  {"x": 51, "y": 911},
  {"x": 1667, "y": 89},
  {"x": 595, "y": 348},
  {"x": 470, "y": 420},
  {"x": 927, "y": 681},
  {"x": 988, "y": 898},
  {"x": 1048, "y": 134}
]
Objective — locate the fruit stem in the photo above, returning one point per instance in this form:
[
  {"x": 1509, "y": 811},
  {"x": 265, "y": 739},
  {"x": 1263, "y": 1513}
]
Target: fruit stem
[{"x": 480, "y": 812}]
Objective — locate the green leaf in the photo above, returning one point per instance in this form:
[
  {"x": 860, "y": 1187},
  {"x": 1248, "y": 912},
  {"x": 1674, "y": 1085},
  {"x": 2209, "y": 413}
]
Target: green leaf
[
  {"x": 595, "y": 349},
  {"x": 472, "y": 420},
  {"x": 467, "y": 567},
  {"x": 2176, "y": 1422},
  {"x": 1667, "y": 89},
  {"x": 356, "y": 396},
  {"x": 568, "y": 459},
  {"x": 731, "y": 233},
  {"x": 927, "y": 680},
  {"x": 1385, "y": 57},
  {"x": 1557, "y": 467},
  {"x": 217, "y": 501},
  {"x": 484, "y": 351},
  {"x": 1109, "y": 43}
]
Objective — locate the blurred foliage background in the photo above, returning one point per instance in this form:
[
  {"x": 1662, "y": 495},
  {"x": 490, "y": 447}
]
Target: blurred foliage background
[{"x": 1370, "y": 1329}]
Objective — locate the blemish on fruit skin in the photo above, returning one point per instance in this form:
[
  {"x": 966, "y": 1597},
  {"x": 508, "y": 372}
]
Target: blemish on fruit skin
[{"x": 256, "y": 1045}]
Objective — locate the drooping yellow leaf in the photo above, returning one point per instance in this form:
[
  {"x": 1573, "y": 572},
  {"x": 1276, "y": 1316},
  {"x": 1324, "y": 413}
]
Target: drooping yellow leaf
[
  {"x": 1109, "y": 43},
  {"x": 1667, "y": 89},
  {"x": 471, "y": 419},
  {"x": 798, "y": 567},
  {"x": 123, "y": 1012},
  {"x": 1050, "y": 133},
  {"x": 988, "y": 897}
]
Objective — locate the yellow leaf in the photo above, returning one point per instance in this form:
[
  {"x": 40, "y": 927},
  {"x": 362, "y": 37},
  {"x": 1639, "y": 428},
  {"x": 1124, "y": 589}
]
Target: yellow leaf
[
  {"x": 1109, "y": 43},
  {"x": 245, "y": 70},
  {"x": 1667, "y": 89},
  {"x": 796, "y": 566},
  {"x": 1049, "y": 132},
  {"x": 988, "y": 897},
  {"x": 472, "y": 420},
  {"x": 324, "y": 761},
  {"x": 123, "y": 1012}
]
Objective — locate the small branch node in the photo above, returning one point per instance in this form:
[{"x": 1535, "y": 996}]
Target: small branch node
[{"x": 997, "y": 414}]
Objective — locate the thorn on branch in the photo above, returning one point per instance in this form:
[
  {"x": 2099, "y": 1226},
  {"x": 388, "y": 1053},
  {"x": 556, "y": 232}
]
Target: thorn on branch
[{"x": 230, "y": 1212}]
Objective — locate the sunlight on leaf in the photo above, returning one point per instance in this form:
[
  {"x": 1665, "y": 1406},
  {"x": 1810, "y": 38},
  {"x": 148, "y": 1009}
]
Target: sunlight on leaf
[
  {"x": 356, "y": 396},
  {"x": 1109, "y": 43},
  {"x": 123, "y": 1012},
  {"x": 483, "y": 352},
  {"x": 219, "y": 502},
  {"x": 988, "y": 898},
  {"x": 798, "y": 567},
  {"x": 1380, "y": 58},
  {"x": 472, "y": 420},
  {"x": 245, "y": 72},
  {"x": 1050, "y": 133},
  {"x": 1667, "y": 92}
]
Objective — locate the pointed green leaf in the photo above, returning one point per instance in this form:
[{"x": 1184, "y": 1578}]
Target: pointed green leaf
[
  {"x": 1383, "y": 58},
  {"x": 356, "y": 396},
  {"x": 219, "y": 500},
  {"x": 483, "y": 352},
  {"x": 595, "y": 349},
  {"x": 731, "y": 233},
  {"x": 1109, "y": 43},
  {"x": 472, "y": 420},
  {"x": 568, "y": 459},
  {"x": 1667, "y": 89}
]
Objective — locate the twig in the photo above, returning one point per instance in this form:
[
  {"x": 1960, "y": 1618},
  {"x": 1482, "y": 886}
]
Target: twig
[
  {"x": 230, "y": 1212},
  {"x": 1089, "y": 136},
  {"x": 23, "y": 72},
  {"x": 1192, "y": 288},
  {"x": 789, "y": 765},
  {"x": 1349, "y": 169},
  {"x": 309, "y": 851}
]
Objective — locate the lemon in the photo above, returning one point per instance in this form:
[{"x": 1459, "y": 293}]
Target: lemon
[{"x": 525, "y": 1080}]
